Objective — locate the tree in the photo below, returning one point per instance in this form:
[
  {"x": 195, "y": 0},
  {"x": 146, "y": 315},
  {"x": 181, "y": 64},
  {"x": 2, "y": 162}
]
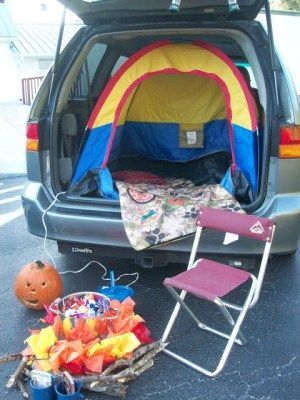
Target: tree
[{"x": 292, "y": 5}]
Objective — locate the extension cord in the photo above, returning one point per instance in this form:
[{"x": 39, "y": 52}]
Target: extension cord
[{"x": 85, "y": 266}]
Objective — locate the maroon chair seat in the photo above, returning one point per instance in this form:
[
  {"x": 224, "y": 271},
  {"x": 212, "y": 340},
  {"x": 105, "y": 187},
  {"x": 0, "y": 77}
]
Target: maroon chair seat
[{"x": 208, "y": 279}]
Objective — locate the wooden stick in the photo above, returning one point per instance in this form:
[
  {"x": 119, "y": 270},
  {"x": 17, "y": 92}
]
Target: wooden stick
[
  {"x": 16, "y": 374},
  {"x": 143, "y": 354},
  {"x": 144, "y": 349},
  {"x": 113, "y": 389},
  {"x": 85, "y": 379},
  {"x": 10, "y": 357},
  {"x": 100, "y": 378},
  {"x": 130, "y": 371},
  {"x": 116, "y": 365},
  {"x": 137, "y": 354},
  {"x": 139, "y": 371},
  {"x": 148, "y": 356},
  {"x": 144, "y": 368},
  {"x": 22, "y": 389},
  {"x": 27, "y": 372},
  {"x": 103, "y": 379}
]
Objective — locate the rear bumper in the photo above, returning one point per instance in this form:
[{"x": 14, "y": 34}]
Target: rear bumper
[{"x": 102, "y": 226}]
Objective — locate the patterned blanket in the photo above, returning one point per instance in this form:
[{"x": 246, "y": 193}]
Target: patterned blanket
[{"x": 154, "y": 214}]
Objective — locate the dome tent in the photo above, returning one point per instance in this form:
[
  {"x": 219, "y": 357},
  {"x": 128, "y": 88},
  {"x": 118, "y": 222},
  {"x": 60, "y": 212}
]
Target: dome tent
[{"x": 110, "y": 125}]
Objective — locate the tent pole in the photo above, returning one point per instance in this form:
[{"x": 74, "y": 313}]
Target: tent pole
[
  {"x": 58, "y": 47},
  {"x": 273, "y": 55}
]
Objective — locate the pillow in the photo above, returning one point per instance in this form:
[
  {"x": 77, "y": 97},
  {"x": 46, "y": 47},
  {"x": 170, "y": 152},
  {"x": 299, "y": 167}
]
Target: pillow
[{"x": 136, "y": 177}]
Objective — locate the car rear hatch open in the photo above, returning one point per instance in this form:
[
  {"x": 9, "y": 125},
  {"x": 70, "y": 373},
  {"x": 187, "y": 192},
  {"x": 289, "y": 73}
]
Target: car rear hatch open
[{"x": 95, "y": 11}]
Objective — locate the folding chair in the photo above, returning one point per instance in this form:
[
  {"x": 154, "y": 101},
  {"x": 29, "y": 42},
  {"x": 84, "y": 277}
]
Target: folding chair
[{"x": 210, "y": 280}]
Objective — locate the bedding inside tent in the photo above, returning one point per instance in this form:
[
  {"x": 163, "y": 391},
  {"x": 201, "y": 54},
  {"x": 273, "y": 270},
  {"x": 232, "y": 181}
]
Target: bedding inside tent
[{"x": 176, "y": 110}]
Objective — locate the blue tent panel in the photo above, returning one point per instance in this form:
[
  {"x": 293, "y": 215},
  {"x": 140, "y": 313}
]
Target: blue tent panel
[
  {"x": 93, "y": 153},
  {"x": 160, "y": 141},
  {"x": 245, "y": 144}
]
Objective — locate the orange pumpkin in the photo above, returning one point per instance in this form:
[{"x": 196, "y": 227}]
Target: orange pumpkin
[{"x": 38, "y": 283}]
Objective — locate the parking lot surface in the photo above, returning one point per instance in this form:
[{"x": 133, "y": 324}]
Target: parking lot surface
[{"x": 267, "y": 368}]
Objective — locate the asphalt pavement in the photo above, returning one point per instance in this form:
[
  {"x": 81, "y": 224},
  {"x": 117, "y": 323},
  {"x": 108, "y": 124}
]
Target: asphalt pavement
[{"x": 267, "y": 368}]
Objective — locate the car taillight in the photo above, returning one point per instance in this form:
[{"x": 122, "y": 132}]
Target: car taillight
[
  {"x": 32, "y": 135},
  {"x": 289, "y": 146}
]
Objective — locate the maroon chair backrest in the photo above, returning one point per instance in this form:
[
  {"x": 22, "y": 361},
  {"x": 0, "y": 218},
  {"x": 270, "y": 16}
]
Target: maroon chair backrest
[{"x": 233, "y": 222}]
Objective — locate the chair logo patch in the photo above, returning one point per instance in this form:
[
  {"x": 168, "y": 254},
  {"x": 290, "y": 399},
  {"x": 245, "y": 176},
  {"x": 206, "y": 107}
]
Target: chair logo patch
[{"x": 257, "y": 228}]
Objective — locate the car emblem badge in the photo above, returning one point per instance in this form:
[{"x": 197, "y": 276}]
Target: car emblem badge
[{"x": 257, "y": 228}]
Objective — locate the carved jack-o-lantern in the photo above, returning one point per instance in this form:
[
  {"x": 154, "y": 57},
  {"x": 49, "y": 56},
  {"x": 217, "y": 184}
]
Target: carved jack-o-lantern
[{"x": 38, "y": 283}]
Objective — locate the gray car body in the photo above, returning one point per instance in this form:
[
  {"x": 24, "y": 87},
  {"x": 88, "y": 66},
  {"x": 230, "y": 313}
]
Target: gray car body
[{"x": 85, "y": 226}]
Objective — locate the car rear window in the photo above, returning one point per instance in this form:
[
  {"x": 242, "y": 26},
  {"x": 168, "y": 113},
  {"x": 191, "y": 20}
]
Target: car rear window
[
  {"x": 80, "y": 88},
  {"x": 118, "y": 64}
]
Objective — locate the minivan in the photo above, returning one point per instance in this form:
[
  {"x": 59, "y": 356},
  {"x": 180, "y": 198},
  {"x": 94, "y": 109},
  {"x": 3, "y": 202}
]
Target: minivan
[{"x": 113, "y": 32}]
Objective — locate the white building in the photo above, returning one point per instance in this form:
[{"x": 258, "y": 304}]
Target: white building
[
  {"x": 9, "y": 86},
  {"x": 26, "y": 51}
]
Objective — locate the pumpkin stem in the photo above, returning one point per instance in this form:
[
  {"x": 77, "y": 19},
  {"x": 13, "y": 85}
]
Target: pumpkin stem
[{"x": 40, "y": 264}]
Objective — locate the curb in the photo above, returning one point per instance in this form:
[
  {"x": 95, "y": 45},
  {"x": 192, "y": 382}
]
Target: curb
[{"x": 13, "y": 175}]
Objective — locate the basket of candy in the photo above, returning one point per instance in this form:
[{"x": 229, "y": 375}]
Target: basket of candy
[{"x": 84, "y": 305}]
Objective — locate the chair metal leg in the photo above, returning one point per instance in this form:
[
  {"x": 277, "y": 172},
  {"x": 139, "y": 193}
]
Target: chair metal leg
[
  {"x": 183, "y": 293},
  {"x": 190, "y": 313},
  {"x": 236, "y": 327},
  {"x": 172, "y": 319},
  {"x": 200, "y": 324},
  {"x": 229, "y": 319},
  {"x": 231, "y": 337}
]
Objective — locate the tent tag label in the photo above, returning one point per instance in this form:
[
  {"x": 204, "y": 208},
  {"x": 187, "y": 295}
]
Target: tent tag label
[{"x": 191, "y": 139}]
